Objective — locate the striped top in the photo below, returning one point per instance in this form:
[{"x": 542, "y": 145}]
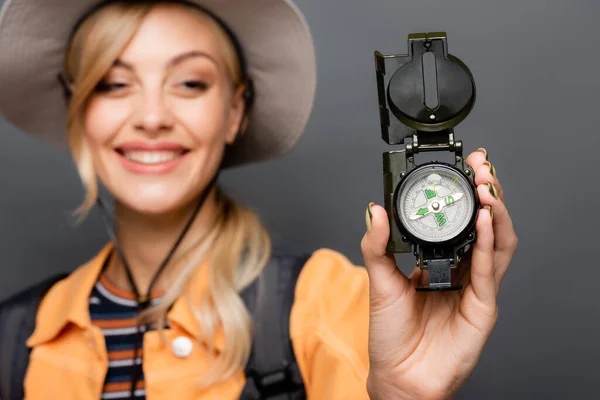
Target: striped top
[{"x": 114, "y": 311}]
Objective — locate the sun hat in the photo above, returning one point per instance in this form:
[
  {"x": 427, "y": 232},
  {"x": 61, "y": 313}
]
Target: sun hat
[{"x": 276, "y": 42}]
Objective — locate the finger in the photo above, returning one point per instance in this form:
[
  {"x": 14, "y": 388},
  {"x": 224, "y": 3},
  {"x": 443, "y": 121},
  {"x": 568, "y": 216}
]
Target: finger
[
  {"x": 503, "y": 226},
  {"x": 482, "y": 262},
  {"x": 505, "y": 243},
  {"x": 477, "y": 158},
  {"x": 484, "y": 170},
  {"x": 486, "y": 173},
  {"x": 387, "y": 283}
]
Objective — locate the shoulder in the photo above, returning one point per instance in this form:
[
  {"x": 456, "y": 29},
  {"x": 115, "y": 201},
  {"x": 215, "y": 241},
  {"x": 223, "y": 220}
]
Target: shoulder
[
  {"x": 326, "y": 279},
  {"x": 51, "y": 302},
  {"x": 333, "y": 272},
  {"x": 330, "y": 318},
  {"x": 331, "y": 288},
  {"x": 21, "y": 308},
  {"x": 19, "y": 311}
]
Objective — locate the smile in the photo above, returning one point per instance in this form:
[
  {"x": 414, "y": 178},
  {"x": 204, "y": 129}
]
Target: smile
[{"x": 152, "y": 157}]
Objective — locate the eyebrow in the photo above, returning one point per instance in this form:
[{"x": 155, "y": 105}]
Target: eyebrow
[{"x": 173, "y": 61}]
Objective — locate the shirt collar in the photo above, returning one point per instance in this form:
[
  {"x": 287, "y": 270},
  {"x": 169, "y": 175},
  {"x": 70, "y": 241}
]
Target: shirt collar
[{"x": 67, "y": 302}]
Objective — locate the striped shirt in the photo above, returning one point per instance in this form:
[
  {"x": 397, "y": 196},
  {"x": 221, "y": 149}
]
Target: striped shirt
[{"x": 114, "y": 311}]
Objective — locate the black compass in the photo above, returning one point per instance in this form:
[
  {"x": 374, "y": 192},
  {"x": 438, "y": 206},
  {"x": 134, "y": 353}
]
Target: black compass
[{"x": 432, "y": 206}]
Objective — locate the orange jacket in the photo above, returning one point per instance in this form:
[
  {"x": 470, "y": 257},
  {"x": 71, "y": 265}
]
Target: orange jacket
[{"x": 328, "y": 327}]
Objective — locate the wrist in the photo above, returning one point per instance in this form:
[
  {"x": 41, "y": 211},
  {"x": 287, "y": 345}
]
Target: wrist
[{"x": 381, "y": 388}]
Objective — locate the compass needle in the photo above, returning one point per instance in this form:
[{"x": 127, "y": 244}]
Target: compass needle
[{"x": 419, "y": 214}]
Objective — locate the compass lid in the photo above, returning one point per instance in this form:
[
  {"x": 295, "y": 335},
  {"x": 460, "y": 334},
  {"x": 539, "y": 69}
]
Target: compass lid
[{"x": 428, "y": 91}]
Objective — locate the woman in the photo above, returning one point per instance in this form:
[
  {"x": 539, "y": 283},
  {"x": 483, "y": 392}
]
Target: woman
[{"x": 160, "y": 96}]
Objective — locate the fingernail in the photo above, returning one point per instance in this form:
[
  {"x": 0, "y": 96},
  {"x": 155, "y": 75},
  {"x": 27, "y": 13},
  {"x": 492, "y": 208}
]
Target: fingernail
[
  {"x": 484, "y": 151},
  {"x": 369, "y": 216},
  {"x": 489, "y": 208},
  {"x": 492, "y": 189},
  {"x": 491, "y": 167}
]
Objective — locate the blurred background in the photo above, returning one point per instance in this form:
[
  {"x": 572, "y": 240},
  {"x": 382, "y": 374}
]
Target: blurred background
[{"x": 536, "y": 66}]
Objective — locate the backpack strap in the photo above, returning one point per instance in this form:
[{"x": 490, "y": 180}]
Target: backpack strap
[
  {"x": 272, "y": 372},
  {"x": 17, "y": 322}
]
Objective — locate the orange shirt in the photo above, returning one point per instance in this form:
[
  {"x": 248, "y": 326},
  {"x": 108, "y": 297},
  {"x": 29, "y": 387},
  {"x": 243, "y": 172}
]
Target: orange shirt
[{"x": 329, "y": 325}]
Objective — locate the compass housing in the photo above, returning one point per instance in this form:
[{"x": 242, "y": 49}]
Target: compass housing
[{"x": 422, "y": 96}]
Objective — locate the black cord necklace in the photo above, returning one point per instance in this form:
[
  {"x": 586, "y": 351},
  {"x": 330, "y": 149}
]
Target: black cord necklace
[{"x": 143, "y": 302}]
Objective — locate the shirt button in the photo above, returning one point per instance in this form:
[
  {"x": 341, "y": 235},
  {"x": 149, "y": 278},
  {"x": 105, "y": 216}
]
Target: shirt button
[{"x": 182, "y": 347}]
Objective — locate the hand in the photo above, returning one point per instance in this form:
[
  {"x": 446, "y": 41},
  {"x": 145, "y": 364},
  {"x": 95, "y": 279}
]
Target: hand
[{"x": 424, "y": 345}]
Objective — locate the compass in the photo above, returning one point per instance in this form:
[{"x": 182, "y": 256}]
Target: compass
[{"x": 432, "y": 207}]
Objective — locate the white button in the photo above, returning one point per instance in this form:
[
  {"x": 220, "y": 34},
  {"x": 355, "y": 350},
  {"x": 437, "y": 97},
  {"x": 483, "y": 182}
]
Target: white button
[{"x": 182, "y": 347}]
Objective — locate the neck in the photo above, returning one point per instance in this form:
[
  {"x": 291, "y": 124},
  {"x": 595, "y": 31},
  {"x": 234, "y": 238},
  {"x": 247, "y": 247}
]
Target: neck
[{"x": 146, "y": 240}]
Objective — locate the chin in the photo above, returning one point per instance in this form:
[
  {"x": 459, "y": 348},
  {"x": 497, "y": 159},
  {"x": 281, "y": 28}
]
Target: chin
[
  {"x": 152, "y": 208},
  {"x": 153, "y": 202}
]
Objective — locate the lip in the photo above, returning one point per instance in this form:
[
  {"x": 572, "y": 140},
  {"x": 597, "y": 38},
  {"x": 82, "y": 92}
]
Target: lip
[
  {"x": 145, "y": 146},
  {"x": 150, "y": 169}
]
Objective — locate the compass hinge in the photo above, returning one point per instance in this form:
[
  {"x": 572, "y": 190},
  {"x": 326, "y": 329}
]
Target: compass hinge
[{"x": 434, "y": 141}]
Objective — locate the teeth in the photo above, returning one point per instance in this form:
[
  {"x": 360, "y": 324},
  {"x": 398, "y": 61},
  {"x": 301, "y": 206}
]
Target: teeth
[{"x": 151, "y": 157}]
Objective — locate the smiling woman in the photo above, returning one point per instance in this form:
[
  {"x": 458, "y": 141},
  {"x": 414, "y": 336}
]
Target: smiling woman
[
  {"x": 188, "y": 300},
  {"x": 158, "y": 93}
]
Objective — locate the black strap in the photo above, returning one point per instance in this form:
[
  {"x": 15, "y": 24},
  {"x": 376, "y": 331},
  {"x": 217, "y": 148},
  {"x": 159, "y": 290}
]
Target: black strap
[
  {"x": 17, "y": 323},
  {"x": 144, "y": 302},
  {"x": 272, "y": 372}
]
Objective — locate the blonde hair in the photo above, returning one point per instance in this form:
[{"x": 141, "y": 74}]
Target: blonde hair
[{"x": 238, "y": 242}]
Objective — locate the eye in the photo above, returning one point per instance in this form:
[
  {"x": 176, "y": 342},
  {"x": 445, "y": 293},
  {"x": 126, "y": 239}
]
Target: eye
[
  {"x": 110, "y": 86},
  {"x": 196, "y": 85}
]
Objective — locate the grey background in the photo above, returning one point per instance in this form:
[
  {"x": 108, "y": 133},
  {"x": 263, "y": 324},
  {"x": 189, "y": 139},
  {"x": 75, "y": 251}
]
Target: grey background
[{"x": 536, "y": 65}]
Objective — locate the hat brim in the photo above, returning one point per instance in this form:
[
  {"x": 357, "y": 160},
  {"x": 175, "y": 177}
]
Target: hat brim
[{"x": 273, "y": 33}]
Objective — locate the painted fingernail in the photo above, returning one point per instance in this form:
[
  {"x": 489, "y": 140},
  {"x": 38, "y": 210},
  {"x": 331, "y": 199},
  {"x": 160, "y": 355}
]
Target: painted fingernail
[
  {"x": 492, "y": 189},
  {"x": 489, "y": 208},
  {"x": 369, "y": 216},
  {"x": 491, "y": 167},
  {"x": 484, "y": 151}
]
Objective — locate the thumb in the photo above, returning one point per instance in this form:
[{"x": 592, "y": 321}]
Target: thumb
[{"x": 387, "y": 282}]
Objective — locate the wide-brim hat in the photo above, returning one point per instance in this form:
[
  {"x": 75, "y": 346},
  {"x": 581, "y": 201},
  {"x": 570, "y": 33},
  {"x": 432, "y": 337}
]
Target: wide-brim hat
[{"x": 273, "y": 34}]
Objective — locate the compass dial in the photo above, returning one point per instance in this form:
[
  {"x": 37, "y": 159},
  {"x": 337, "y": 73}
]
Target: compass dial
[{"x": 435, "y": 203}]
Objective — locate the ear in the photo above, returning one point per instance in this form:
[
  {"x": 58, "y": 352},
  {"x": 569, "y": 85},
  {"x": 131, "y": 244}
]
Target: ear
[{"x": 237, "y": 118}]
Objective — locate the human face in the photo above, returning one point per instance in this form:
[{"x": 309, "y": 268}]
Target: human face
[{"x": 158, "y": 123}]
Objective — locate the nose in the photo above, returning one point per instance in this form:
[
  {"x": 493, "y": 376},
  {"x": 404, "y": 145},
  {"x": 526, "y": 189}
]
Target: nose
[{"x": 153, "y": 115}]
